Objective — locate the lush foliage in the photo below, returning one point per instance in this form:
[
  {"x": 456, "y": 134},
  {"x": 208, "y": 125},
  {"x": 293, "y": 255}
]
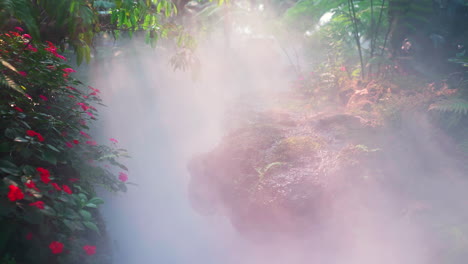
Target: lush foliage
[
  {"x": 49, "y": 164},
  {"x": 77, "y": 22}
]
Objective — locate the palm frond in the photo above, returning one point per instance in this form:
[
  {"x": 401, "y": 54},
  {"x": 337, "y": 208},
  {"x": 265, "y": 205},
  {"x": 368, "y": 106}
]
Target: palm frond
[{"x": 453, "y": 105}]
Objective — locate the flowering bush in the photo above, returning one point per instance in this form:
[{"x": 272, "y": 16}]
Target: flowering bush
[{"x": 49, "y": 164}]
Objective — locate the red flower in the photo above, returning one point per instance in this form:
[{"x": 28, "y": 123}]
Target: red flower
[
  {"x": 113, "y": 140},
  {"x": 66, "y": 189},
  {"x": 123, "y": 177},
  {"x": 38, "y": 204},
  {"x": 60, "y": 56},
  {"x": 91, "y": 143},
  {"x": 29, "y": 236},
  {"x": 56, "y": 186},
  {"x": 84, "y": 134},
  {"x": 40, "y": 137},
  {"x": 19, "y": 29},
  {"x": 82, "y": 122},
  {"x": 23, "y": 73},
  {"x": 45, "y": 174},
  {"x": 68, "y": 70},
  {"x": 74, "y": 179},
  {"x": 31, "y": 185},
  {"x": 94, "y": 89},
  {"x": 90, "y": 250},
  {"x": 343, "y": 68},
  {"x": 31, "y": 48},
  {"x": 52, "y": 49},
  {"x": 27, "y": 36},
  {"x": 33, "y": 133},
  {"x": 70, "y": 145},
  {"x": 83, "y": 106},
  {"x": 56, "y": 247},
  {"x": 17, "y": 108},
  {"x": 90, "y": 114},
  {"x": 43, "y": 97},
  {"x": 15, "y": 193}
]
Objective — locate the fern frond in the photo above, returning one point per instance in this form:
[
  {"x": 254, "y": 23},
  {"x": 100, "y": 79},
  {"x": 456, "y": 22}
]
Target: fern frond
[{"x": 454, "y": 105}]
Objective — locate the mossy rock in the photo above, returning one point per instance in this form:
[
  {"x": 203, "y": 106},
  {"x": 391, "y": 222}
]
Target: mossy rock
[{"x": 295, "y": 147}]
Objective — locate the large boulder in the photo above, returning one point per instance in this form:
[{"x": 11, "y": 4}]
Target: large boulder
[{"x": 274, "y": 176}]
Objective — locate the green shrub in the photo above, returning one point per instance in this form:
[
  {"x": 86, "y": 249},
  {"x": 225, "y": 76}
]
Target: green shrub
[{"x": 49, "y": 165}]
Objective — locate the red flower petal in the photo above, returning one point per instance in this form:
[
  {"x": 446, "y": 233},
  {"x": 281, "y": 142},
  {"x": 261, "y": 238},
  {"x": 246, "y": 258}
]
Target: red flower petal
[
  {"x": 56, "y": 247},
  {"x": 38, "y": 204},
  {"x": 68, "y": 70},
  {"x": 123, "y": 177},
  {"x": 66, "y": 189},
  {"x": 15, "y": 193},
  {"x": 56, "y": 186},
  {"x": 91, "y": 143},
  {"x": 18, "y": 109},
  {"x": 45, "y": 174},
  {"x": 90, "y": 250}
]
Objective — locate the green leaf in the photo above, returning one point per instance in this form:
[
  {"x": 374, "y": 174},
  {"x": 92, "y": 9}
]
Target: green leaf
[
  {"x": 83, "y": 197},
  {"x": 9, "y": 168},
  {"x": 85, "y": 215},
  {"x": 52, "y": 148},
  {"x": 50, "y": 157},
  {"x": 70, "y": 213},
  {"x": 91, "y": 205},
  {"x": 48, "y": 211},
  {"x": 20, "y": 139},
  {"x": 12, "y": 132},
  {"x": 91, "y": 226},
  {"x": 28, "y": 170},
  {"x": 158, "y": 7},
  {"x": 96, "y": 200},
  {"x": 73, "y": 225}
]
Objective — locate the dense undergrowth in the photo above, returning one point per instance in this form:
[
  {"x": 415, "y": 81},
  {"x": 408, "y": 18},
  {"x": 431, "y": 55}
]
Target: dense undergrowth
[{"x": 49, "y": 164}]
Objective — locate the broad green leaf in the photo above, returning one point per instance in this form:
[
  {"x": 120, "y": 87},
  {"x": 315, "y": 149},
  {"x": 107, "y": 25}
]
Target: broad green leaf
[
  {"x": 96, "y": 200},
  {"x": 20, "y": 139},
  {"x": 91, "y": 226},
  {"x": 52, "y": 148},
  {"x": 9, "y": 168},
  {"x": 91, "y": 205},
  {"x": 85, "y": 215}
]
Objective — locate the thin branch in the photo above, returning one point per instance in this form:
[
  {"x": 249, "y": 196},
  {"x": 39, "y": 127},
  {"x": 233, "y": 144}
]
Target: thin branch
[
  {"x": 356, "y": 34},
  {"x": 379, "y": 22}
]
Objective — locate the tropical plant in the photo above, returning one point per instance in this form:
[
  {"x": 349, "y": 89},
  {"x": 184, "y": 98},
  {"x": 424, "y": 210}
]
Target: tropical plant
[
  {"x": 49, "y": 164},
  {"x": 77, "y": 22}
]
